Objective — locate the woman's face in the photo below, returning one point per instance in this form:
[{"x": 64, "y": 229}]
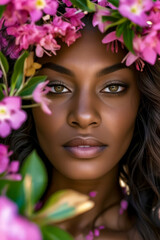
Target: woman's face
[{"x": 94, "y": 103}]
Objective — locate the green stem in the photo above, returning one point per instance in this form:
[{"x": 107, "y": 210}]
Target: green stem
[
  {"x": 31, "y": 105},
  {"x": 122, "y": 20}
]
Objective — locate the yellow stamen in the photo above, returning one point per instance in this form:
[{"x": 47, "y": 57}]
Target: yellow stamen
[
  {"x": 4, "y": 113},
  {"x": 40, "y": 4}
]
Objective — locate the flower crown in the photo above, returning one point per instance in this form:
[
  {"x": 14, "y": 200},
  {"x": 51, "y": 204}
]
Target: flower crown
[{"x": 40, "y": 22}]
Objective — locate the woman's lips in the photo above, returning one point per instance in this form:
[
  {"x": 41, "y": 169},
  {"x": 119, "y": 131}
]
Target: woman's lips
[{"x": 84, "y": 148}]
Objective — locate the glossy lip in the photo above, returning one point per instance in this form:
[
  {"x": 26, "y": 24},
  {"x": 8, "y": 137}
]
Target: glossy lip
[{"x": 84, "y": 148}]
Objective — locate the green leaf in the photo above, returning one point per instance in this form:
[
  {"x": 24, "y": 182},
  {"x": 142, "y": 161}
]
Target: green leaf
[
  {"x": 32, "y": 84},
  {"x": 121, "y": 28},
  {"x": 1, "y": 91},
  {"x": 62, "y": 205},
  {"x": 34, "y": 167},
  {"x": 4, "y": 63},
  {"x": 17, "y": 76},
  {"x": 2, "y": 9},
  {"x": 85, "y": 5},
  {"x": 114, "y": 2},
  {"x": 54, "y": 233},
  {"x": 128, "y": 36},
  {"x": 109, "y": 18}
]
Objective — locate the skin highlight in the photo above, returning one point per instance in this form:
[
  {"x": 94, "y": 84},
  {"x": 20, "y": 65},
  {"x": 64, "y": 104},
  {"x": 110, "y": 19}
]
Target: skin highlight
[{"x": 92, "y": 95}]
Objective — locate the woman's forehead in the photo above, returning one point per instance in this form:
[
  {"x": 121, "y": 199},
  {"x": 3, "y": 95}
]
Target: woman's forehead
[{"x": 87, "y": 49}]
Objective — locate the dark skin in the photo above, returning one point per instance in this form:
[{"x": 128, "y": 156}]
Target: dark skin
[{"x": 91, "y": 98}]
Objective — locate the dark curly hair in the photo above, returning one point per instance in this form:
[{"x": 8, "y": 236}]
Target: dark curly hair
[{"x": 139, "y": 167}]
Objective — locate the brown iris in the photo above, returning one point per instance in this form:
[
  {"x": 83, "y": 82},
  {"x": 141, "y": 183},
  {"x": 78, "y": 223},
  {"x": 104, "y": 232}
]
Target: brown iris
[
  {"x": 59, "y": 88},
  {"x": 113, "y": 88}
]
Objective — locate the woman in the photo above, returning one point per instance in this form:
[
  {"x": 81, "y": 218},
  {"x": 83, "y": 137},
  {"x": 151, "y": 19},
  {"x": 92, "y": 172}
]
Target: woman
[{"x": 103, "y": 128}]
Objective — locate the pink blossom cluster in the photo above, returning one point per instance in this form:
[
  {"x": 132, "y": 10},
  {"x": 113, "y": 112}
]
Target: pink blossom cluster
[
  {"x": 8, "y": 169},
  {"x": 14, "y": 226},
  {"x": 146, "y": 14},
  {"x": 21, "y": 16}
]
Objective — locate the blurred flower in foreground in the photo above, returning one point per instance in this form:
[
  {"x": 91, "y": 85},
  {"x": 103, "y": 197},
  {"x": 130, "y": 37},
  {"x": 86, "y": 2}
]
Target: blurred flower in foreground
[
  {"x": 39, "y": 96},
  {"x": 13, "y": 226},
  {"x": 11, "y": 115},
  {"x": 8, "y": 170}
]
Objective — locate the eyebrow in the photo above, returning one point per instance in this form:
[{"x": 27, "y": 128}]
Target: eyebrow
[{"x": 63, "y": 70}]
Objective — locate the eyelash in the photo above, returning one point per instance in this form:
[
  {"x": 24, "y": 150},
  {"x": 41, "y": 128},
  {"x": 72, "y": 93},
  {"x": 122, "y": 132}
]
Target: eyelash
[{"x": 119, "y": 85}]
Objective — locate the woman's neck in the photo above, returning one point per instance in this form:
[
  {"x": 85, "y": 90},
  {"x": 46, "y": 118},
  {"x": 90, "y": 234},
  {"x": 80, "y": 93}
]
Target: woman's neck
[{"x": 108, "y": 193}]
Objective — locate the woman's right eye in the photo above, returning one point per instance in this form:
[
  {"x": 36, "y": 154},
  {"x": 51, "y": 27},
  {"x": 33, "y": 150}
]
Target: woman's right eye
[{"x": 58, "y": 88}]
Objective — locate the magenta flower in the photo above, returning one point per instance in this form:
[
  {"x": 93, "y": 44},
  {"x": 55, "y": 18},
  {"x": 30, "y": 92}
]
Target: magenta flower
[
  {"x": 4, "y": 158},
  {"x": 67, "y": 2},
  {"x": 47, "y": 43},
  {"x": 9, "y": 170},
  {"x": 97, "y": 19},
  {"x": 4, "y": 2},
  {"x": 123, "y": 206},
  {"x": 75, "y": 17},
  {"x": 13, "y": 226},
  {"x": 135, "y": 10},
  {"x": 39, "y": 96},
  {"x": 11, "y": 115}
]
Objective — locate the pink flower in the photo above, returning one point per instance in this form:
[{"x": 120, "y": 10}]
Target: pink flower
[
  {"x": 13, "y": 16},
  {"x": 135, "y": 10},
  {"x": 75, "y": 17},
  {"x": 47, "y": 43},
  {"x": 46, "y": 6},
  {"x": 4, "y": 2},
  {"x": 67, "y": 2},
  {"x": 71, "y": 36},
  {"x": 13, "y": 226},
  {"x": 112, "y": 38},
  {"x": 11, "y": 115},
  {"x": 27, "y": 34},
  {"x": 39, "y": 96},
  {"x": 4, "y": 158},
  {"x": 8, "y": 169},
  {"x": 97, "y": 19}
]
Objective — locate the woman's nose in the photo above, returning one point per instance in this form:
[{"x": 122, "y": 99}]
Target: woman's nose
[{"x": 84, "y": 112}]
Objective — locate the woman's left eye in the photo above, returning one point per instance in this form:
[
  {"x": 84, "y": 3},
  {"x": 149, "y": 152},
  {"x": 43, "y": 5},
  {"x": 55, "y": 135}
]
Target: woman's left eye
[
  {"x": 58, "y": 88},
  {"x": 114, "y": 88}
]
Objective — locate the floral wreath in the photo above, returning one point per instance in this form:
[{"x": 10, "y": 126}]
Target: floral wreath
[{"x": 31, "y": 28}]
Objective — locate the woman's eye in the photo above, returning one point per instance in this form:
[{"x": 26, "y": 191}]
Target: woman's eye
[
  {"x": 114, "y": 88},
  {"x": 58, "y": 88}
]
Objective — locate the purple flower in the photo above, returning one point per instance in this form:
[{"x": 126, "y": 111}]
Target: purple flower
[
  {"x": 135, "y": 10},
  {"x": 39, "y": 96},
  {"x": 11, "y": 115},
  {"x": 13, "y": 226}
]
